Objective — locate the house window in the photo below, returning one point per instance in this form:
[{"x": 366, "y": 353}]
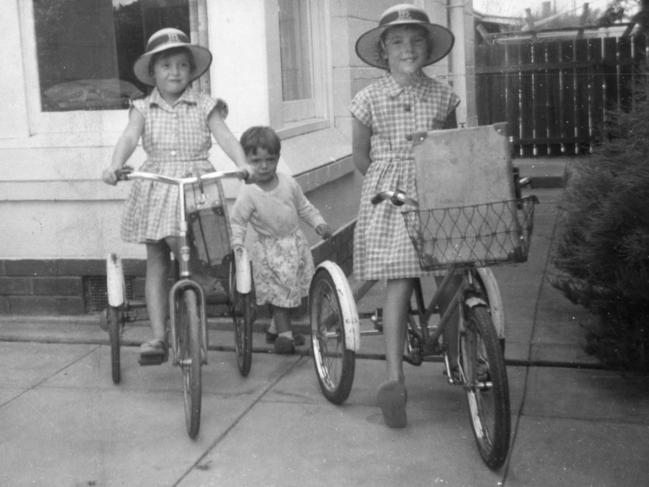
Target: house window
[
  {"x": 295, "y": 50},
  {"x": 85, "y": 49},
  {"x": 300, "y": 28}
]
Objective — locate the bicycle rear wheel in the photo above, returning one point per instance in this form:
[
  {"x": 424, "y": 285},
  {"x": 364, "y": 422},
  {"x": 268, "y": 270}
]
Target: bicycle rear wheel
[
  {"x": 189, "y": 358},
  {"x": 115, "y": 326},
  {"x": 242, "y": 309},
  {"x": 486, "y": 387},
  {"x": 334, "y": 362}
]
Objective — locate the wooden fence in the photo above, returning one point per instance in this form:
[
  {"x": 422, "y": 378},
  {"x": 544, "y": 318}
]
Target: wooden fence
[{"x": 555, "y": 94}]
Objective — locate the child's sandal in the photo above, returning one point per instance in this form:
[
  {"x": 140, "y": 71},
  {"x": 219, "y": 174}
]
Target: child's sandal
[{"x": 153, "y": 352}]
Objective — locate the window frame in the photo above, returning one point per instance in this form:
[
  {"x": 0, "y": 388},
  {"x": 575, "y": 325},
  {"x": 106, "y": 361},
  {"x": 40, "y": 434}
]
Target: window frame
[
  {"x": 290, "y": 118},
  {"x": 73, "y": 126}
]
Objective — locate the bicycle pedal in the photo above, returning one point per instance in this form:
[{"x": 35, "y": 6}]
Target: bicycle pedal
[{"x": 153, "y": 359}]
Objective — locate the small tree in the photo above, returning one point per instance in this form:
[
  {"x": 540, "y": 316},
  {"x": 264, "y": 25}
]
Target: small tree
[{"x": 604, "y": 245}]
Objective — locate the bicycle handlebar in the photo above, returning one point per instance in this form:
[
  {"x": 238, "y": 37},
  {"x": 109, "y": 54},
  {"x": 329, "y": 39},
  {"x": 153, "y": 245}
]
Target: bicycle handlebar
[
  {"x": 126, "y": 174},
  {"x": 396, "y": 197}
]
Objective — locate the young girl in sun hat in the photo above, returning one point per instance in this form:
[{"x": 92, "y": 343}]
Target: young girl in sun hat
[
  {"x": 176, "y": 124},
  {"x": 385, "y": 115}
]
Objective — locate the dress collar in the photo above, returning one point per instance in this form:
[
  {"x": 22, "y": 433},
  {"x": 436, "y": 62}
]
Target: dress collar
[
  {"x": 394, "y": 89},
  {"x": 188, "y": 96}
]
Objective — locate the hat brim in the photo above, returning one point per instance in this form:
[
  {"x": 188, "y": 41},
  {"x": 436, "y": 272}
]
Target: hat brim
[
  {"x": 368, "y": 49},
  {"x": 202, "y": 60}
]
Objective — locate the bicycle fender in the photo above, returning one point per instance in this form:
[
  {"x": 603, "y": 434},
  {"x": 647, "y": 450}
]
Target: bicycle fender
[
  {"x": 243, "y": 274},
  {"x": 347, "y": 304},
  {"x": 115, "y": 285},
  {"x": 496, "y": 306}
]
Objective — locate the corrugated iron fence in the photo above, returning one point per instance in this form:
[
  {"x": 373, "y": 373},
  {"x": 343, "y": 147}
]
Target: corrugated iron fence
[{"x": 554, "y": 94}]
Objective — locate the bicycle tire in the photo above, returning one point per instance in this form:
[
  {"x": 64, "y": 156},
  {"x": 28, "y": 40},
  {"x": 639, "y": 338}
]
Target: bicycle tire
[
  {"x": 334, "y": 368},
  {"x": 189, "y": 350},
  {"x": 486, "y": 388},
  {"x": 242, "y": 310},
  {"x": 115, "y": 335}
]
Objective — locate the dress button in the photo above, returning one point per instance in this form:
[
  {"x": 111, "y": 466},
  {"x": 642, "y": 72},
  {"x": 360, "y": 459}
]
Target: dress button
[{"x": 173, "y": 152}]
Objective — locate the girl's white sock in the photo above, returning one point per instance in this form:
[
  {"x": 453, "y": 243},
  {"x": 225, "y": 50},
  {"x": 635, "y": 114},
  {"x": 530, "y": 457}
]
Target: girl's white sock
[{"x": 272, "y": 328}]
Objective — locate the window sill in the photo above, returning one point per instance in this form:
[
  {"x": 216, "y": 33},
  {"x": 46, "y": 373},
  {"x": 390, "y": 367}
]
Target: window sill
[{"x": 302, "y": 127}]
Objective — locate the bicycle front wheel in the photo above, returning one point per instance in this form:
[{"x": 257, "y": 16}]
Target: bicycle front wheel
[
  {"x": 189, "y": 358},
  {"x": 334, "y": 363},
  {"x": 485, "y": 383}
]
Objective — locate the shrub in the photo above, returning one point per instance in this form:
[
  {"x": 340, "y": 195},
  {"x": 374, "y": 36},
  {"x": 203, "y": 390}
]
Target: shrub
[{"x": 603, "y": 247}]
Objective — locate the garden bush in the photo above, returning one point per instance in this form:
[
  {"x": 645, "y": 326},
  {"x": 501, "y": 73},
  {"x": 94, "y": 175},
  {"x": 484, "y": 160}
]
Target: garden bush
[{"x": 603, "y": 244}]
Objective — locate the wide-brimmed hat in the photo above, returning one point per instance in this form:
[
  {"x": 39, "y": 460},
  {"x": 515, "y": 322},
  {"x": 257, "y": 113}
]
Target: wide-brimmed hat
[
  {"x": 163, "y": 40},
  {"x": 368, "y": 44}
]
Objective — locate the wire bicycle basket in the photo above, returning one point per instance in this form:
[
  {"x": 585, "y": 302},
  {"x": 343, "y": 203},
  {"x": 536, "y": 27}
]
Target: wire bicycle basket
[{"x": 482, "y": 234}]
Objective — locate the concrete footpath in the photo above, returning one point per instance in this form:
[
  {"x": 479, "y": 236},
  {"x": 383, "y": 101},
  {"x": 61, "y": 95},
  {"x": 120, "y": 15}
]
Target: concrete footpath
[{"x": 64, "y": 423}]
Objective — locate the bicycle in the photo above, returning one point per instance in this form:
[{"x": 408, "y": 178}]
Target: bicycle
[
  {"x": 187, "y": 299},
  {"x": 474, "y": 360}
]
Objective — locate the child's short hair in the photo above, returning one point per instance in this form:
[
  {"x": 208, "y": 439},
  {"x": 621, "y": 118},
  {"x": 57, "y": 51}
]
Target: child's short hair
[
  {"x": 260, "y": 137},
  {"x": 170, "y": 52}
]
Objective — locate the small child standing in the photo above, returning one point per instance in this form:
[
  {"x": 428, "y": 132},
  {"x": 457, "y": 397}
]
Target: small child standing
[
  {"x": 282, "y": 265},
  {"x": 385, "y": 115},
  {"x": 176, "y": 124}
]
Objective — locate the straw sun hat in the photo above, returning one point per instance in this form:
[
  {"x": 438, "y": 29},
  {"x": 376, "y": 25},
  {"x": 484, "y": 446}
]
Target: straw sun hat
[
  {"x": 163, "y": 40},
  {"x": 368, "y": 45}
]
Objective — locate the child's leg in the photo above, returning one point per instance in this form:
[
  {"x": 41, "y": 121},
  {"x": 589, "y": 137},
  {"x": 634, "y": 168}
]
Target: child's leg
[
  {"x": 282, "y": 318},
  {"x": 392, "y": 394},
  {"x": 155, "y": 288},
  {"x": 285, "y": 341},
  {"x": 395, "y": 317}
]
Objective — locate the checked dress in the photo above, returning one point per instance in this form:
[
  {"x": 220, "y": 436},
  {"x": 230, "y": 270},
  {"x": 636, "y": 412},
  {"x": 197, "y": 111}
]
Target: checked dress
[
  {"x": 382, "y": 248},
  {"x": 176, "y": 140}
]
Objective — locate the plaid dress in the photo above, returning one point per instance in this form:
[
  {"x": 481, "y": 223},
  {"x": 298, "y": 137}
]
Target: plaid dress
[
  {"x": 382, "y": 248},
  {"x": 176, "y": 140}
]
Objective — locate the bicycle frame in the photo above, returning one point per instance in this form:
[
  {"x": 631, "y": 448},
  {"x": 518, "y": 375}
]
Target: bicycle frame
[{"x": 185, "y": 281}]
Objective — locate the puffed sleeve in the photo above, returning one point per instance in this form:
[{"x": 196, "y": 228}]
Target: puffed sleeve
[
  {"x": 207, "y": 104},
  {"x": 361, "y": 108}
]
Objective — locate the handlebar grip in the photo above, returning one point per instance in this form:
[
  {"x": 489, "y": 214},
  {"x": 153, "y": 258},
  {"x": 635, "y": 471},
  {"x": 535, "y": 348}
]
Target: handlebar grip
[
  {"x": 122, "y": 173},
  {"x": 377, "y": 198}
]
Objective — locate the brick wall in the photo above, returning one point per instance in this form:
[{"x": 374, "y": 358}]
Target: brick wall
[{"x": 76, "y": 287}]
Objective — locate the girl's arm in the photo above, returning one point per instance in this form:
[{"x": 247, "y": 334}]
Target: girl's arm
[
  {"x": 226, "y": 139},
  {"x": 361, "y": 135},
  {"x": 309, "y": 213},
  {"x": 125, "y": 145}
]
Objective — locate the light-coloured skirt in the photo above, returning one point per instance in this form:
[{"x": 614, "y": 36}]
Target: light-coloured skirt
[{"x": 282, "y": 269}]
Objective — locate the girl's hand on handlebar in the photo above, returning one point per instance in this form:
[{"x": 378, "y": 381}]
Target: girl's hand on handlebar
[
  {"x": 112, "y": 176},
  {"x": 108, "y": 176},
  {"x": 324, "y": 231}
]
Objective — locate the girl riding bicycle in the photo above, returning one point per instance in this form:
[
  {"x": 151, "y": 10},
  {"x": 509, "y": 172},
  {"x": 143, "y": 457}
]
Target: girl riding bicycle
[
  {"x": 175, "y": 123},
  {"x": 385, "y": 115}
]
